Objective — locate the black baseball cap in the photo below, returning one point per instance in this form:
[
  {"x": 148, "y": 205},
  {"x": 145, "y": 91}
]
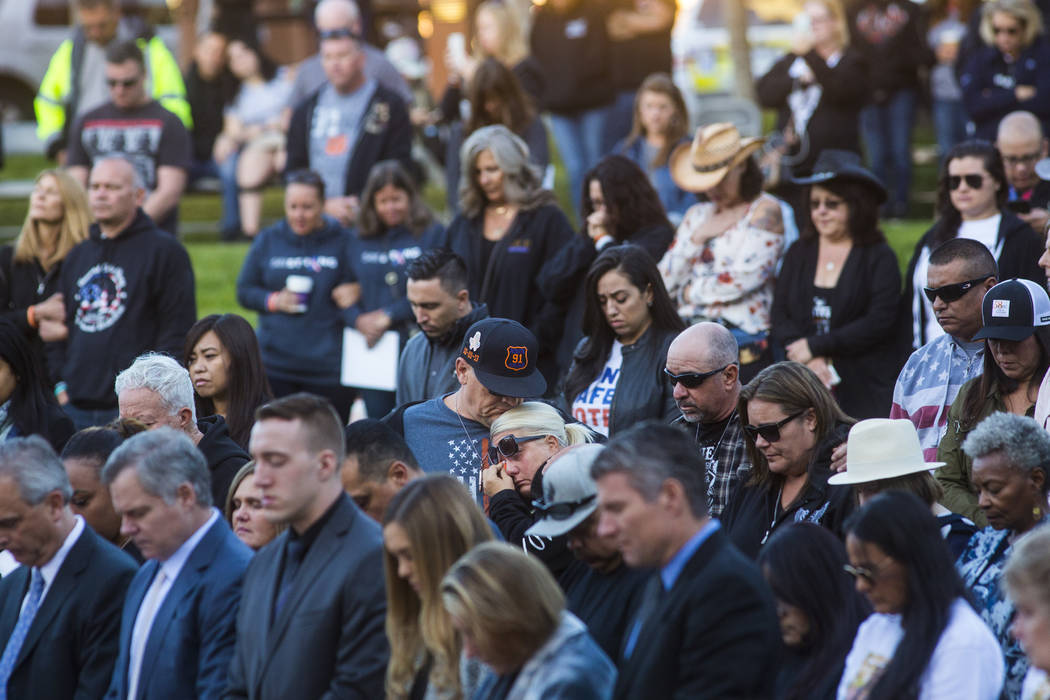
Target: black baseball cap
[
  {"x": 503, "y": 354},
  {"x": 1013, "y": 309}
]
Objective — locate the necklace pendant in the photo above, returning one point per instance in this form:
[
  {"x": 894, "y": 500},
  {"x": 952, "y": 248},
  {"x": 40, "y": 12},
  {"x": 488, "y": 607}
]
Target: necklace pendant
[{"x": 829, "y": 266}]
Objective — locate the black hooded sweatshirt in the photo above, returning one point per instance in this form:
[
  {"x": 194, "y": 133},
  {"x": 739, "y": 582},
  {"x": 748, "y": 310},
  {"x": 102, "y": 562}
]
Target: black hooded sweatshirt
[
  {"x": 124, "y": 296},
  {"x": 224, "y": 456}
]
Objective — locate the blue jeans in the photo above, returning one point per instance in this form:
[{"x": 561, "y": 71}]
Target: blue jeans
[
  {"x": 227, "y": 174},
  {"x": 621, "y": 118},
  {"x": 949, "y": 122},
  {"x": 89, "y": 417},
  {"x": 887, "y": 134},
  {"x": 580, "y": 140}
]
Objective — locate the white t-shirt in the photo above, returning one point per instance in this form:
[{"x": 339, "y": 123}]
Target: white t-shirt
[
  {"x": 592, "y": 406},
  {"x": 985, "y": 231},
  {"x": 1036, "y": 685},
  {"x": 967, "y": 663}
]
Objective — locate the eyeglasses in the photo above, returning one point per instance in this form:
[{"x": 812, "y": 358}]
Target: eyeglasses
[
  {"x": 1009, "y": 31},
  {"x": 562, "y": 510},
  {"x": 338, "y": 34},
  {"x": 864, "y": 572},
  {"x": 974, "y": 181},
  {"x": 1023, "y": 159},
  {"x": 770, "y": 432},
  {"x": 829, "y": 204},
  {"x": 129, "y": 82},
  {"x": 952, "y": 292},
  {"x": 691, "y": 380},
  {"x": 509, "y": 446}
]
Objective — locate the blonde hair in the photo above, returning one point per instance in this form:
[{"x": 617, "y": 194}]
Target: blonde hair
[
  {"x": 76, "y": 220},
  {"x": 1028, "y": 567},
  {"x": 1024, "y": 11},
  {"x": 441, "y": 522},
  {"x": 512, "y": 32},
  {"x": 538, "y": 418},
  {"x": 838, "y": 17},
  {"x": 506, "y": 599}
]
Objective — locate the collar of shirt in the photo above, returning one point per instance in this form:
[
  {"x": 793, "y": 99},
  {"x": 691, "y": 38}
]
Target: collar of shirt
[
  {"x": 669, "y": 574},
  {"x": 50, "y": 569},
  {"x": 173, "y": 564},
  {"x": 307, "y": 538}
]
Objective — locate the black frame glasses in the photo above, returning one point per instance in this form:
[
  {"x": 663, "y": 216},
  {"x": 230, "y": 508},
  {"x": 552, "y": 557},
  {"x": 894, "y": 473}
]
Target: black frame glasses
[
  {"x": 691, "y": 380},
  {"x": 974, "y": 181},
  {"x": 829, "y": 204},
  {"x": 952, "y": 292},
  {"x": 770, "y": 432},
  {"x": 509, "y": 446},
  {"x": 563, "y": 510}
]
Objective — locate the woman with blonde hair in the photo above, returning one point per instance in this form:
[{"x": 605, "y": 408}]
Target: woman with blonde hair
[
  {"x": 244, "y": 511},
  {"x": 428, "y": 525},
  {"x": 523, "y": 441},
  {"x": 58, "y": 219},
  {"x": 511, "y": 615},
  {"x": 501, "y": 32},
  {"x": 1009, "y": 71}
]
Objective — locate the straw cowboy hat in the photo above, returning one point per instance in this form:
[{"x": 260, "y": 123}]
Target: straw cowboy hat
[
  {"x": 715, "y": 150},
  {"x": 882, "y": 448}
]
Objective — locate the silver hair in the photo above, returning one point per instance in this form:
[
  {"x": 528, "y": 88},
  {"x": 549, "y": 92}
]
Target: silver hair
[
  {"x": 1022, "y": 442},
  {"x": 35, "y": 468},
  {"x": 522, "y": 181},
  {"x": 164, "y": 376},
  {"x": 136, "y": 177},
  {"x": 353, "y": 12},
  {"x": 163, "y": 459}
]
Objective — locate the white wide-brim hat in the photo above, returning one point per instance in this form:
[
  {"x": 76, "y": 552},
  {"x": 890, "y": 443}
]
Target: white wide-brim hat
[{"x": 882, "y": 448}]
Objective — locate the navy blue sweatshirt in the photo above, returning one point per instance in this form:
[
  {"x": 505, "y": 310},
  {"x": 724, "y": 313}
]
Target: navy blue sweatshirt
[
  {"x": 308, "y": 346},
  {"x": 124, "y": 296}
]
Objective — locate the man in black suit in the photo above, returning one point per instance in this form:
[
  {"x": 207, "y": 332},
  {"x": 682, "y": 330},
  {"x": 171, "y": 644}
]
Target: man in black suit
[
  {"x": 313, "y": 606},
  {"x": 706, "y": 627},
  {"x": 60, "y": 610}
]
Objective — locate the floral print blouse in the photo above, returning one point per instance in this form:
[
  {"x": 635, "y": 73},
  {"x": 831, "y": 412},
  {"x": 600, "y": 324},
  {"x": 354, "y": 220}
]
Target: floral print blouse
[{"x": 730, "y": 277}]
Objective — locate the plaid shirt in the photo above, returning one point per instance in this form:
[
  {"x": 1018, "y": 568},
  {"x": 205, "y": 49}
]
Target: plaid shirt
[{"x": 726, "y": 461}]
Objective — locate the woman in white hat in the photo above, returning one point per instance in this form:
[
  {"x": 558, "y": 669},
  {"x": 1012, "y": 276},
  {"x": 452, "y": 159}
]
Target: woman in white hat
[
  {"x": 723, "y": 260},
  {"x": 885, "y": 455}
]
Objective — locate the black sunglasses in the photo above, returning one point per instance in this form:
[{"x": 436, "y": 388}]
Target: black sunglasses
[
  {"x": 562, "y": 510},
  {"x": 509, "y": 446},
  {"x": 770, "y": 432},
  {"x": 952, "y": 292},
  {"x": 130, "y": 82},
  {"x": 338, "y": 34},
  {"x": 829, "y": 204},
  {"x": 691, "y": 380},
  {"x": 974, "y": 181}
]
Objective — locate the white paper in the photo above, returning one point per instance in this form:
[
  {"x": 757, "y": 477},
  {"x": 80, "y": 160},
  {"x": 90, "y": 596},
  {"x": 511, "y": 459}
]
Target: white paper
[{"x": 370, "y": 368}]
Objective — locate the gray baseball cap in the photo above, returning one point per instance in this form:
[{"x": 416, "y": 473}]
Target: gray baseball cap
[{"x": 570, "y": 495}]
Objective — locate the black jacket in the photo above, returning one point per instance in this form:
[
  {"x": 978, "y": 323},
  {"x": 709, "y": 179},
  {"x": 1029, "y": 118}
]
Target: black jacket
[
  {"x": 59, "y": 427},
  {"x": 893, "y": 62},
  {"x": 386, "y": 134},
  {"x": 1019, "y": 257},
  {"x": 573, "y": 51},
  {"x": 642, "y": 390},
  {"x": 224, "y": 456},
  {"x": 513, "y": 515},
  {"x": 835, "y": 123},
  {"x": 124, "y": 296},
  {"x": 563, "y": 280},
  {"x": 749, "y": 518},
  {"x": 24, "y": 284},
  {"x": 864, "y": 305},
  {"x": 714, "y": 635},
  {"x": 988, "y": 85}
]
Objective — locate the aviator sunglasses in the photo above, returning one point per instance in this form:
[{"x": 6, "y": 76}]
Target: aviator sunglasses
[
  {"x": 509, "y": 446},
  {"x": 974, "y": 181},
  {"x": 770, "y": 432},
  {"x": 952, "y": 292}
]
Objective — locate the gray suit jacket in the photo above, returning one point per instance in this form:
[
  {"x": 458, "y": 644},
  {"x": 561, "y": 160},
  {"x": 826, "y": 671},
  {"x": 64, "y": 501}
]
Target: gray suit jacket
[{"x": 328, "y": 640}]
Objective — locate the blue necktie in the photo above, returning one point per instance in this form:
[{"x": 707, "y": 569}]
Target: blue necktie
[{"x": 18, "y": 635}]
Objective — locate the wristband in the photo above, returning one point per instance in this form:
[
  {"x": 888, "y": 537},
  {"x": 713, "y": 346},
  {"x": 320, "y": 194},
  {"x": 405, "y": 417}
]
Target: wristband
[
  {"x": 60, "y": 388},
  {"x": 31, "y": 317}
]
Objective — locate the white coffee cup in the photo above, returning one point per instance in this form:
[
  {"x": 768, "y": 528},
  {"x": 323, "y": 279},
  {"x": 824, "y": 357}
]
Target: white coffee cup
[{"x": 301, "y": 285}]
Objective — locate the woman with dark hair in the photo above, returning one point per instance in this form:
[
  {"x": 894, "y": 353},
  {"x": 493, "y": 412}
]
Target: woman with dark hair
[
  {"x": 83, "y": 457},
  {"x": 394, "y": 227},
  {"x": 496, "y": 97},
  {"x": 222, "y": 356},
  {"x": 661, "y": 123},
  {"x": 619, "y": 206},
  {"x": 923, "y": 640},
  {"x": 791, "y": 423},
  {"x": 723, "y": 260},
  {"x": 27, "y": 404},
  {"x": 819, "y": 609},
  {"x": 507, "y": 229},
  {"x": 1016, "y": 357},
  {"x": 971, "y": 201},
  {"x": 837, "y": 294},
  {"x": 1011, "y": 471},
  {"x": 303, "y": 307},
  {"x": 616, "y": 379}
]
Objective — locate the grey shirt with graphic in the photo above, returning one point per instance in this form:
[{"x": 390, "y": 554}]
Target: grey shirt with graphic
[{"x": 334, "y": 131}]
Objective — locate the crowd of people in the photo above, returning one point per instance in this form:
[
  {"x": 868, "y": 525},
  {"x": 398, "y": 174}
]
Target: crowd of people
[{"x": 709, "y": 443}]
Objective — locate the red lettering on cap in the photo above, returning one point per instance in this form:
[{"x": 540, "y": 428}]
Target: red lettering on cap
[{"x": 517, "y": 358}]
